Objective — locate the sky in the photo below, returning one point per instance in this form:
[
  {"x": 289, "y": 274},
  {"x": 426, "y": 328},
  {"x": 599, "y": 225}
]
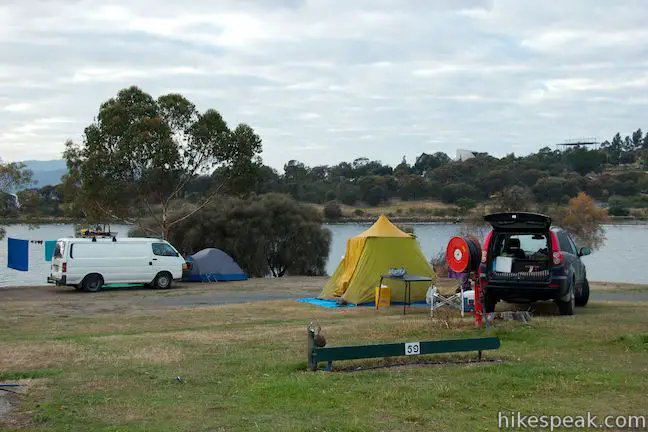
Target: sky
[{"x": 324, "y": 81}]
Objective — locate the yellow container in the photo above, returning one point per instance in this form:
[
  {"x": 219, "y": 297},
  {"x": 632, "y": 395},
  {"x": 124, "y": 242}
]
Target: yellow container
[{"x": 383, "y": 297}]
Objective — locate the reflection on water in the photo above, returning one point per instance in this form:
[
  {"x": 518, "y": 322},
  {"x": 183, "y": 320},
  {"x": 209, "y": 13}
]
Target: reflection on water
[{"x": 618, "y": 261}]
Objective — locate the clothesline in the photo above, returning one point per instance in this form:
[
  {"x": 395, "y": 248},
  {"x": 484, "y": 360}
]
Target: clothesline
[{"x": 18, "y": 252}]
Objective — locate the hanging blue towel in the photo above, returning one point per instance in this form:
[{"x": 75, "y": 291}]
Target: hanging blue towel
[
  {"x": 18, "y": 254},
  {"x": 50, "y": 245}
]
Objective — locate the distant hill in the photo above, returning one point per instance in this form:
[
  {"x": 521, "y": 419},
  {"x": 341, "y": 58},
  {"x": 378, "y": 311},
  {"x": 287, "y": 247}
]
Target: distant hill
[{"x": 47, "y": 172}]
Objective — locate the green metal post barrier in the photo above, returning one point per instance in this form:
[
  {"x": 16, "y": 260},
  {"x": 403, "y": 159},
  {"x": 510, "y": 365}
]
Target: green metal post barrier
[{"x": 321, "y": 354}]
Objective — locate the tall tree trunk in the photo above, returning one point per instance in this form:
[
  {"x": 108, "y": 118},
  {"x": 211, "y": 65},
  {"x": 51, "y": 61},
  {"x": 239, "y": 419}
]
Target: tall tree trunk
[{"x": 165, "y": 222}]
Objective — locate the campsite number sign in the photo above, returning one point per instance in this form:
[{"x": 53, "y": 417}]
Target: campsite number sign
[{"x": 412, "y": 348}]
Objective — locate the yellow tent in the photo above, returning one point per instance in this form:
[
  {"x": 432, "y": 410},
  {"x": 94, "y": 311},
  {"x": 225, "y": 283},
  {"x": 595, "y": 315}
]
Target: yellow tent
[{"x": 371, "y": 254}]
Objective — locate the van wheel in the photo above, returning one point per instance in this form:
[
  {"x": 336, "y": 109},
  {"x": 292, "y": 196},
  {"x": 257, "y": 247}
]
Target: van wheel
[
  {"x": 582, "y": 299},
  {"x": 163, "y": 281},
  {"x": 568, "y": 307},
  {"x": 92, "y": 283}
]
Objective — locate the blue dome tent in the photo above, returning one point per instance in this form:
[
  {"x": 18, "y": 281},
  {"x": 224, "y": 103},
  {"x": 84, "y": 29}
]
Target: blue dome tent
[{"x": 212, "y": 265}]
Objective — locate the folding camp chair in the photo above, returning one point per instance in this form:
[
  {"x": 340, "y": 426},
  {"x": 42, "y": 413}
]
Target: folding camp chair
[
  {"x": 453, "y": 301},
  {"x": 209, "y": 277}
]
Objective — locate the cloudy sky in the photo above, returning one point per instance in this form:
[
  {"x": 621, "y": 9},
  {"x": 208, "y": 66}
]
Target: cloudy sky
[{"x": 328, "y": 80}]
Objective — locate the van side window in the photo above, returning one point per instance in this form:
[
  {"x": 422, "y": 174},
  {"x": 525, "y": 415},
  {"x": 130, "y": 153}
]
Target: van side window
[{"x": 163, "y": 249}]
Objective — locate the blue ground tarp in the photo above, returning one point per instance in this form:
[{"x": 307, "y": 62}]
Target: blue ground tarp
[
  {"x": 324, "y": 303},
  {"x": 332, "y": 304}
]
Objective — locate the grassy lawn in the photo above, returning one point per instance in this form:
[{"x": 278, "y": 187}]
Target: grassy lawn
[
  {"x": 243, "y": 368},
  {"x": 616, "y": 287}
]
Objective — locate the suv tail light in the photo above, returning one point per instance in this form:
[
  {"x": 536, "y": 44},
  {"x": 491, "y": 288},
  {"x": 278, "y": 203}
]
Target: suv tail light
[
  {"x": 558, "y": 257},
  {"x": 64, "y": 268},
  {"x": 484, "y": 256}
]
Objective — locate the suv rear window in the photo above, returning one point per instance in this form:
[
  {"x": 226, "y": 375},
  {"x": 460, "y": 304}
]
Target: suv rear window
[
  {"x": 530, "y": 244},
  {"x": 527, "y": 253}
]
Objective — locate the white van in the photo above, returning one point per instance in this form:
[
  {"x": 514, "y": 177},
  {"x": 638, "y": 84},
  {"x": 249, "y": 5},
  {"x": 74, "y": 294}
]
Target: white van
[{"x": 88, "y": 264}]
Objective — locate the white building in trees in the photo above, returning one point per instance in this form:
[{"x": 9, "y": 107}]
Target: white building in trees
[{"x": 463, "y": 155}]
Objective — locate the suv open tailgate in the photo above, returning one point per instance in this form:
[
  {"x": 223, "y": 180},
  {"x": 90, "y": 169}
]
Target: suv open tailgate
[{"x": 519, "y": 221}]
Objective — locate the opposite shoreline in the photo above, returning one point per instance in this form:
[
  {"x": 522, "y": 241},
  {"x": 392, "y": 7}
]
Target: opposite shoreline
[{"x": 340, "y": 221}]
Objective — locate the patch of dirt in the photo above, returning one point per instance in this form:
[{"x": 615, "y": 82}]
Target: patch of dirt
[
  {"x": 6, "y": 405},
  {"x": 11, "y": 416}
]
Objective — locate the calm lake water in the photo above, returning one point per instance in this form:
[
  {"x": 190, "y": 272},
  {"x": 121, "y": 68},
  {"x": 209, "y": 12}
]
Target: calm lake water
[{"x": 620, "y": 260}]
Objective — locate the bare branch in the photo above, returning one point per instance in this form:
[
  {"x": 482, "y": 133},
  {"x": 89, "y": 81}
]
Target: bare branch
[
  {"x": 188, "y": 177},
  {"x": 151, "y": 212},
  {"x": 126, "y": 221},
  {"x": 200, "y": 207}
]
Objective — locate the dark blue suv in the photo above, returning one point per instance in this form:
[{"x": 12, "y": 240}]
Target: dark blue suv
[{"x": 525, "y": 259}]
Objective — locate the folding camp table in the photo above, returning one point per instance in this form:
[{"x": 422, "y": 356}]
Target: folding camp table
[{"x": 408, "y": 279}]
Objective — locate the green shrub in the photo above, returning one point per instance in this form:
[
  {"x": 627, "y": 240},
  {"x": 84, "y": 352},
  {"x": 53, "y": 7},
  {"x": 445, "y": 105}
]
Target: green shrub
[
  {"x": 330, "y": 196},
  {"x": 618, "y": 206},
  {"x": 332, "y": 211},
  {"x": 267, "y": 234},
  {"x": 442, "y": 212},
  {"x": 466, "y": 204},
  {"x": 406, "y": 228},
  {"x": 619, "y": 211}
]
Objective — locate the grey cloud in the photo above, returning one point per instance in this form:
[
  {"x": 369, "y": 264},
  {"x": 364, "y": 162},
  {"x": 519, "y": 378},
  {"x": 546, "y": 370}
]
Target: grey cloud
[{"x": 330, "y": 81}]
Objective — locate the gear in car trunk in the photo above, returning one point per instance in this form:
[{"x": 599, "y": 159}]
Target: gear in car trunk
[{"x": 520, "y": 255}]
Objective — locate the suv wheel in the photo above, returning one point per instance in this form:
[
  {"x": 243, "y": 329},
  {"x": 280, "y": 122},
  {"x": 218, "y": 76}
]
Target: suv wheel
[
  {"x": 582, "y": 299},
  {"x": 567, "y": 307}
]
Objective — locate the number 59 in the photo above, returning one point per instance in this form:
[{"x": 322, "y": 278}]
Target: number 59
[{"x": 412, "y": 348}]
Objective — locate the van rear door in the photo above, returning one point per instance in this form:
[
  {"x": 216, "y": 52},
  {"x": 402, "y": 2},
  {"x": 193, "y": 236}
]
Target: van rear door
[
  {"x": 59, "y": 261},
  {"x": 520, "y": 221}
]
